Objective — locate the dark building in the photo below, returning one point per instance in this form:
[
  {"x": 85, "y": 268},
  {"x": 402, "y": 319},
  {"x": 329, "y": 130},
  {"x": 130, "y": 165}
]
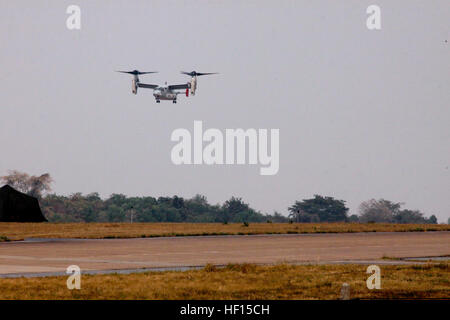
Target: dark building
[{"x": 16, "y": 206}]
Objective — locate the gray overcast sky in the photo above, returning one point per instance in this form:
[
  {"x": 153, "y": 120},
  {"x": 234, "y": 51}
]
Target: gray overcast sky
[{"x": 362, "y": 114}]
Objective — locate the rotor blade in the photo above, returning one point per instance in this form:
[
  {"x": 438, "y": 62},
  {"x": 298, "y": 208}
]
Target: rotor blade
[
  {"x": 206, "y": 73},
  {"x": 136, "y": 72},
  {"x": 130, "y": 72},
  {"x": 195, "y": 73}
]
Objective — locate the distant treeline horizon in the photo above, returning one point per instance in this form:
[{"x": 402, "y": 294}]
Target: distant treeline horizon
[{"x": 120, "y": 208}]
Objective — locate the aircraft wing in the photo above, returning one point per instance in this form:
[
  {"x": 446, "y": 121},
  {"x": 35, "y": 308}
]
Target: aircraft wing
[
  {"x": 179, "y": 86},
  {"x": 148, "y": 86}
]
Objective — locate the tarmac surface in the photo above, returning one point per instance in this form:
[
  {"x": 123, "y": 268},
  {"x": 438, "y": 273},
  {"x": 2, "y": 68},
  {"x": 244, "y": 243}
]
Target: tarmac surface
[{"x": 44, "y": 257}]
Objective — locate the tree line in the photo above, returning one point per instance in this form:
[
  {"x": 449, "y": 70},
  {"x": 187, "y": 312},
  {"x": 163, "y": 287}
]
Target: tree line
[
  {"x": 328, "y": 209},
  {"x": 120, "y": 208}
]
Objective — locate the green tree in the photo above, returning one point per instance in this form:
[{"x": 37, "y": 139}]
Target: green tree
[
  {"x": 319, "y": 209},
  {"x": 432, "y": 219},
  {"x": 115, "y": 213},
  {"x": 409, "y": 216},
  {"x": 232, "y": 207},
  {"x": 277, "y": 217}
]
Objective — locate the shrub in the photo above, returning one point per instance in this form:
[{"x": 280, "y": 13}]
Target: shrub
[
  {"x": 210, "y": 268},
  {"x": 244, "y": 268}
]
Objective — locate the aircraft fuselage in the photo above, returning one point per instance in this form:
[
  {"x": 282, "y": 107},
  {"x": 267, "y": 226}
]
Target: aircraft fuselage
[{"x": 163, "y": 93}]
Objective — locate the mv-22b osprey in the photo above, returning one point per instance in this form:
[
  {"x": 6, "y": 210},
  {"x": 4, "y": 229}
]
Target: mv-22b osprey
[{"x": 166, "y": 92}]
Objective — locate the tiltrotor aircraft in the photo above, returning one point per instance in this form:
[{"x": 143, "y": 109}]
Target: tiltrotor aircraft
[{"x": 166, "y": 92}]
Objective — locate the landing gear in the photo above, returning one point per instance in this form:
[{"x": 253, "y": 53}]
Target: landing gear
[{"x": 174, "y": 101}]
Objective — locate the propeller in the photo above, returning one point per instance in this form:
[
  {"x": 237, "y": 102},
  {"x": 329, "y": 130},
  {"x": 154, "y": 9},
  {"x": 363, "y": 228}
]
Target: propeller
[
  {"x": 195, "y": 73},
  {"x": 137, "y": 72}
]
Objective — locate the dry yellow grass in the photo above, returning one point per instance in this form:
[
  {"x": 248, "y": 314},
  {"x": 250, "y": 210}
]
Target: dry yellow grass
[
  {"x": 19, "y": 231},
  {"x": 431, "y": 281}
]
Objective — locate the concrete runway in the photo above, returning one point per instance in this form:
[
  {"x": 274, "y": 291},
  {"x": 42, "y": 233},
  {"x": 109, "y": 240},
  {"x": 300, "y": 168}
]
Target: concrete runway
[{"x": 53, "y": 256}]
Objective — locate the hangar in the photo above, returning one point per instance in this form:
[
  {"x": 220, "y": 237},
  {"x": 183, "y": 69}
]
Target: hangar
[{"x": 16, "y": 206}]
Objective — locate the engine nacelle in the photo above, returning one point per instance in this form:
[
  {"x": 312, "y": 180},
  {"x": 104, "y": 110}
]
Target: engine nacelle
[
  {"x": 193, "y": 85},
  {"x": 134, "y": 86}
]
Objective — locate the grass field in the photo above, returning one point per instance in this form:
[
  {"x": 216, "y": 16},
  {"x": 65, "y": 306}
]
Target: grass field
[
  {"x": 430, "y": 281},
  {"x": 19, "y": 231}
]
